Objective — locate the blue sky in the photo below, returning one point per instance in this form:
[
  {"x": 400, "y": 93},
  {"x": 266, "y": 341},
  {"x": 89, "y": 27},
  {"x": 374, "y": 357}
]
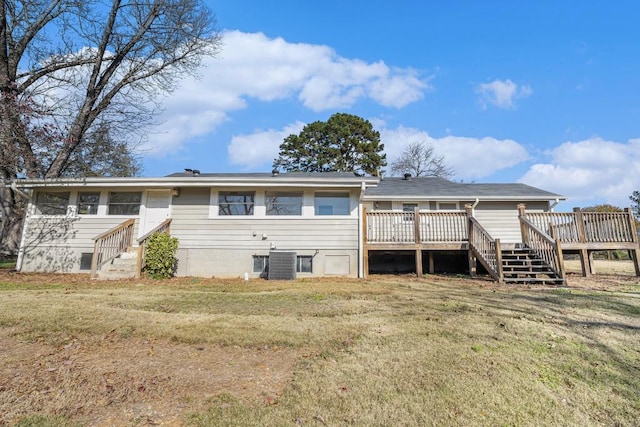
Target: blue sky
[{"x": 541, "y": 92}]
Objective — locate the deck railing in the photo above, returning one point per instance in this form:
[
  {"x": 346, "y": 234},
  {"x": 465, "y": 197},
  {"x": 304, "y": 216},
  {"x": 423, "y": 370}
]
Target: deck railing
[
  {"x": 486, "y": 249},
  {"x": 164, "y": 227},
  {"x": 583, "y": 227},
  {"x": 543, "y": 245},
  {"x": 110, "y": 244},
  {"x": 415, "y": 227}
]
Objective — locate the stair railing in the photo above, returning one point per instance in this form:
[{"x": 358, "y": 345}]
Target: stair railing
[
  {"x": 163, "y": 227},
  {"x": 544, "y": 246},
  {"x": 110, "y": 244},
  {"x": 486, "y": 249}
]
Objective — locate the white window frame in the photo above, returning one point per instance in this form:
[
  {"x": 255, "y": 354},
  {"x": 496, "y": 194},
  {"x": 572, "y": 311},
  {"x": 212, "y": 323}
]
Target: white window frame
[
  {"x": 320, "y": 193},
  {"x": 284, "y": 193},
  {"x": 457, "y": 204},
  {"x": 67, "y": 210},
  {"x": 108, "y": 203}
]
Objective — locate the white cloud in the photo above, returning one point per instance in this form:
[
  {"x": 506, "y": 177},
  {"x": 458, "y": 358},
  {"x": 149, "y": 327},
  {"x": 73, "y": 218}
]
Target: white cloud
[
  {"x": 470, "y": 158},
  {"x": 260, "y": 148},
  {"x": 252, "y": 65},
  {"x": 590, "y": 172},
  {"x": 502, "y": 94}
]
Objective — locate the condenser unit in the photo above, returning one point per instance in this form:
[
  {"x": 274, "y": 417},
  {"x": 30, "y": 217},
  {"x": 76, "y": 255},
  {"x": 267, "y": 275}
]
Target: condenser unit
[{"x": 282, "y": 265}]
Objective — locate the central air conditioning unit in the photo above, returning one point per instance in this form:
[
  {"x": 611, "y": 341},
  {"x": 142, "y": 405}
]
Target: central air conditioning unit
[{"x": 282, "y": 265}]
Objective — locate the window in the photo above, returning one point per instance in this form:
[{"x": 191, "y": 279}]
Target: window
[
  {"x": 304, "y": 264},
  {"x": 409, "y": 209},
  {"x": 88, "y": 203},
  {"x": 124, "y": 203},
  {"x": 280, "y": 203},
  {"x": 51, "y": 203},
  {"x": 236, "y": 202},
  {"x": 447, "y": 206},
  {"x": 332, "y": 203},
  {"x": 261, "y": 264}
]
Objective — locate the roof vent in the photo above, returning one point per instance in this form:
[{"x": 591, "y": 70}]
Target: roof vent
[
  {"x": 196, "y": 172},
  {"x": 275, "y": 172},
  {"x": 193, "y": 172},
  {"x": 407, "y": 177}
]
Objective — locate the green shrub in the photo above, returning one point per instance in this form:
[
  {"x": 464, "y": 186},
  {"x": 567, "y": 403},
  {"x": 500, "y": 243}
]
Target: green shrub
[{"x": 160, "y": 256}]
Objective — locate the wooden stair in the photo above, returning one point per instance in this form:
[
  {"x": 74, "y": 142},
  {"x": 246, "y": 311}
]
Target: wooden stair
[{"x": 522, "y": 266}]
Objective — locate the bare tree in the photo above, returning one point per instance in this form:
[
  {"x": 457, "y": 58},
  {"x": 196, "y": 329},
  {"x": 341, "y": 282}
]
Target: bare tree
[
  {"x": 86, "y": 64},
  {"x": 419, "y": 159}
]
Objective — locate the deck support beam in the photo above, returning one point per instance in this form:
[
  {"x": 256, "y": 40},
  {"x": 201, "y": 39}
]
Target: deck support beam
[{"x": 419, "y": 272}]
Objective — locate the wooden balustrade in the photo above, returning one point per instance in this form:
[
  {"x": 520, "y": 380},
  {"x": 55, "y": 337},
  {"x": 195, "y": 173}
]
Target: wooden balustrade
[
  {"x": 415, "y": 227},
  {"x": 110, "y": 244},
  {"x": 486, "y": 249},
  {"x": 586, "y": 227},
  {"x": 543, "y": 245},
  {"x": 164, "y": 227}
]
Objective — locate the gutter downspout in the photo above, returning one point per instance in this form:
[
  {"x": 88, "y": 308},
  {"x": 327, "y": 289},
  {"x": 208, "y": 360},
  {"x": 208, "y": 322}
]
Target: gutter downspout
[
  {"x": 553, "y": 205},
  {"x": 363, "y": 186},
  {"x": 473, "y": 206}
]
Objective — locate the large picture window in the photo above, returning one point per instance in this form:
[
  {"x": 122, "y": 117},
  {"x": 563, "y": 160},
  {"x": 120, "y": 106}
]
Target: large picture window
[
  {"x": 125, "y": 203},
  {"x": 284, "y": 203},
  {"x": 88, "y": 203},
  {"x": 236, "y": 202},
  {"x": 52, "y": 203},
  {"x": 334, "y": 203}
]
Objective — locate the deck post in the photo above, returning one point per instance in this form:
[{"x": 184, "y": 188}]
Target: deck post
[
  {"x": 419, "y": 272},
  {"x": 416, "y": 226},
  {"x": 584, "y": 261},
  {"x": 432, "y": 268},
  {"x": 582, "y": 234},
  {"x": 635, "y": 253},
  {"x": 522, "y": 214},
  {"x": 471, "y": 258},
  {"x": 365, "y": 247}
]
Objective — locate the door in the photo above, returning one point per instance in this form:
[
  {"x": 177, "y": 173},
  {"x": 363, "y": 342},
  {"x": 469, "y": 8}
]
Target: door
[{"x": 157, "y": 209}]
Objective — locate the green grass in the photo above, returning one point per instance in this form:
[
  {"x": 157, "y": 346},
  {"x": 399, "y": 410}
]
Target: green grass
[
  {"x": 393, "y": 351},
  {"x": 7, "y": 263}
]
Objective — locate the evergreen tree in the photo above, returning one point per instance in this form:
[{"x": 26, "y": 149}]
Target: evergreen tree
[{"x": 344, "y": 143}]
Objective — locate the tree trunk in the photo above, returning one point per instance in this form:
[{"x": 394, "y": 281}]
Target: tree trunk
[{"x": 10, "y": 223}]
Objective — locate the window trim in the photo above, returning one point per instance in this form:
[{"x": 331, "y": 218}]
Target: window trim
[
  {"x": 332, "y": 194},
  {"x": 457, "y": 204},
  {"x": 36, "y": 204},
  {"x": 77, "y": 204},
  {"x": 246, "y": 192},
  {"x": 108, "y": 204},
  {"x": 290, "y": 194}
]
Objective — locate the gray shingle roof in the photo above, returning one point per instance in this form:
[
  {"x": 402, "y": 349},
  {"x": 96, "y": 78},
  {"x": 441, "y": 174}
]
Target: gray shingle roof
[
  {"x": 302, "y": 175},
  {"x": 434, "y": 188}
]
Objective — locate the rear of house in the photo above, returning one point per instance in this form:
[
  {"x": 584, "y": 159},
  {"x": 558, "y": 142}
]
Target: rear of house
[
  {"x": 227, "y": 224},
  {"x": 312, "y": 224}
]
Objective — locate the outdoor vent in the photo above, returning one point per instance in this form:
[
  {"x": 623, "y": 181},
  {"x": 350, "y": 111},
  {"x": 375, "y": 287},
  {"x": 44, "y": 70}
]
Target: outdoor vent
[
  {"x": 275, "y": 172},
  {"x": 193, "y": 172},
  {"x": 282, "y": 265},
  {"x": 407, "y": 177}
]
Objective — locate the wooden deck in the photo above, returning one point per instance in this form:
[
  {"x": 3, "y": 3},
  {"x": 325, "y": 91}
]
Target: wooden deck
[{"x": 550, "y": 234}]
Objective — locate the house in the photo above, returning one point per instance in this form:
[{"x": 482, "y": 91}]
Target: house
[{"x": 316, "y": 224}]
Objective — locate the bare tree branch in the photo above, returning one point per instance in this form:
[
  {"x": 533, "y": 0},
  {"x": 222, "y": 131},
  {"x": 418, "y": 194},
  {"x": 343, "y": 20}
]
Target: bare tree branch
[{"x": 419, "y": 159}]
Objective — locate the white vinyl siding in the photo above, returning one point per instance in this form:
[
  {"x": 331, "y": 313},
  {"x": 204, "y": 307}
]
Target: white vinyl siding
[{"x": 195, "y": 228}]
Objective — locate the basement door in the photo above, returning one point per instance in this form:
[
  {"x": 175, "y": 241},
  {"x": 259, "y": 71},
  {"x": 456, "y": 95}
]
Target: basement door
[{"x": 157, "y": 209}]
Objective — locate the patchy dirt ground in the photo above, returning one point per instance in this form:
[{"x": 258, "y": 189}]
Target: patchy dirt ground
[{"x": 111, "y": 381}]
